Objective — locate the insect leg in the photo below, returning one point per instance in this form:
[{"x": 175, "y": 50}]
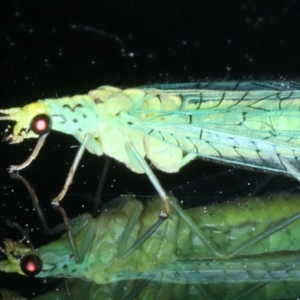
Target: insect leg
[
  {"x": 67, "y": 224},
  {"x": 38, "y": 208},
  {"x": 195, "y": 228},
  {"x": 131, "y": 149},
  {"x": 33, "y": 155},
  {"x": 123, "y": 253},
  {"x": 268, "y": 232},
  {"x": 72, "y": 171},
  {"x": 273, "y": 228}
]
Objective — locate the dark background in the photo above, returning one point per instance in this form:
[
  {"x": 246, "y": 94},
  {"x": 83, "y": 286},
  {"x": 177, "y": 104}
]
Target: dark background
[{"x": 53, "y": 49}]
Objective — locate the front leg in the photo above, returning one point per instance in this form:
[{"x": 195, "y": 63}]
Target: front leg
[{"x": 72, "y": 171}]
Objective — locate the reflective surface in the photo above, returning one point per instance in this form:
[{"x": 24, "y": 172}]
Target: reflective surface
[
  {"x": 225, "y": 180},
  {"x": 49, "y": 50}
]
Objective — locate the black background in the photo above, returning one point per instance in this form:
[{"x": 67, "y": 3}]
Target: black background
[{"x": 53, "y": 49}]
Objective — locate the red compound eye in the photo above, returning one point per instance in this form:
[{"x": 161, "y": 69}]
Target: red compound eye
[
  {"x": 40, "y": 124},
  {"x": 31, "y": 265}
]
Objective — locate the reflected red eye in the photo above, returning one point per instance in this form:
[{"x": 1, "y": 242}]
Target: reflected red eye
[
  {"x": 31, "y": 265},
  {"x": 40, "y": 124}
]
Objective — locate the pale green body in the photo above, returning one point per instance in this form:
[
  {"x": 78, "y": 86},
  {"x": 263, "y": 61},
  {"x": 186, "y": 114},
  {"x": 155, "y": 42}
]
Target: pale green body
[
  {"x": 175, "y": 252},
  {"x": 247, "y": 124},
  {"x": 250, "y": 128}
]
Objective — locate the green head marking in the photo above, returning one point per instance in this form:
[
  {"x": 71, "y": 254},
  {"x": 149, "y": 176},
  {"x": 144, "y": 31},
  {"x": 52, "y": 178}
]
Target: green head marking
[{"x": 24, "y": 118}]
